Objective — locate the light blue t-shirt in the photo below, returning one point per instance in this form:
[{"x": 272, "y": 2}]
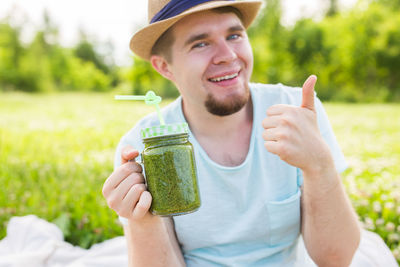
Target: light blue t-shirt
[{"x": 250, "y": 214}]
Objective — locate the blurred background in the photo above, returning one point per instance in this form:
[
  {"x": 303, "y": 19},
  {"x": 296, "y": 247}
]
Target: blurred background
[
  {"x": 61, "y": 62},
  {"x": 50, "y": 46}
]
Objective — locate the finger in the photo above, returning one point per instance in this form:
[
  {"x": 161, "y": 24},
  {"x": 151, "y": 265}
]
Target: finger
[
  {"x": 128, "y": 153},
  {"x": 115, "y": 197},
  {"x": 273, "y": 134},
  {"x": 270, "y": 122},
  {"x": 131, "y": 199},
  {"x": 308, "y": 92},
  {"x": 119, "y": 175},
  {"x": 272, "y": 146},
  {"x": 143, "y": 205},
  {"x": 277, "y": 109},
  {"x": 126, "y": 184}
]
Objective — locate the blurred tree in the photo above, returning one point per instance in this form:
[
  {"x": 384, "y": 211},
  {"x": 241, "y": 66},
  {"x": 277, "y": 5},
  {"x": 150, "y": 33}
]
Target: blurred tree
[
  {"x": 143, "y": 78},
  {"x": 387, "y": 53},
  {"x": 269, "y": 41},
  {"x": 392, "y": 4},
  {"x": 11, "y": 52},
  {"x": 35, "y": 68},
  {"x": 85, "y": 50},
  {"x": 43, "y": 65},
  {"x": 333, "y": 8},
  {"x": 307, "y": 52},
  {"x": 355, "y": 54}
]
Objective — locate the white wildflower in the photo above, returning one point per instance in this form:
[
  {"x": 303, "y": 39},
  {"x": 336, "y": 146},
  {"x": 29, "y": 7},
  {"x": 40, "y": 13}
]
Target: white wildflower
[
  {"x": 389, "y": 205},
  {"x": 396, "y": 253},
  {"x": 390, "y": 226},
  {"x": 377, "y": 206},
  {"x": 364, "y": 202},
  {"x": 379, "y": 222},
  {"x": 394, "y": 237}
]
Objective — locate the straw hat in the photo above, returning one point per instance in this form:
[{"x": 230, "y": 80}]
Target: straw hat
[{"x": 143, "y": 40}]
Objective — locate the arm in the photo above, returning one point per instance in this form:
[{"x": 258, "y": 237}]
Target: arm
[
  {"x": 152, "y": 242},
  {"x": 329, "y": 225},
  {"x": 151, "y": 239}
]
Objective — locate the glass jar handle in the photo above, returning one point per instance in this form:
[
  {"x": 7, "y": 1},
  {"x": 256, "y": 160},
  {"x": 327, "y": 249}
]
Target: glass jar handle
[{"x": 138, "y": 159}]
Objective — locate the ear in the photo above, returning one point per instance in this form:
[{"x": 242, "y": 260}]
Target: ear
[{"x": 162, "y": 66}]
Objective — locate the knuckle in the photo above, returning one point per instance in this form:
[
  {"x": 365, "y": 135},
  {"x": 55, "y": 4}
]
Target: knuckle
[
  {"x": 126, "y": 169},
  {"x": 104, "y": 191},
  {"x": 112, "y": 203},
  {"x": 138, "y": 167},
  {"x": 138, "y": 178},
  {"x": 139, "y": 188},
  {"x": 107, "y": 188},
  {"x": 284, "y": 121},
  {"x": 264, "y": 135},
  {"x": 264, "y": 123},
  {"x": 282, "y": 135}
]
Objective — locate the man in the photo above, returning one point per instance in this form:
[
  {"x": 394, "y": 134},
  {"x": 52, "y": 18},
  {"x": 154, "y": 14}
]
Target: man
[{"x": 266, "y": 154}]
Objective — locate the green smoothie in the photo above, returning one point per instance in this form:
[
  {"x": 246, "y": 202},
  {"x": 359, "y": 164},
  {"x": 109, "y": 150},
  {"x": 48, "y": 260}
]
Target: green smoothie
[{"x": 171, "y": 175}]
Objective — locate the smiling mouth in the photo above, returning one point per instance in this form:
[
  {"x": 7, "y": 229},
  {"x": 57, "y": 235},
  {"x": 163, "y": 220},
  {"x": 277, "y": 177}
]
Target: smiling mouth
[{"x": 224, "y": 78}]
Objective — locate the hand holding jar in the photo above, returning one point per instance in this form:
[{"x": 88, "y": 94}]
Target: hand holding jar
[{"x": 125, "y": 189}]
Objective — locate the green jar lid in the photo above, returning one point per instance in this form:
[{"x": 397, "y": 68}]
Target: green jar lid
[{"x": 164, "y": 130}]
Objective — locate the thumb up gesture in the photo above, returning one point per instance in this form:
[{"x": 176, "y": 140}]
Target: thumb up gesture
[
  {"x": 308, "y": 93},
  {"x": 292, "y": 133}
]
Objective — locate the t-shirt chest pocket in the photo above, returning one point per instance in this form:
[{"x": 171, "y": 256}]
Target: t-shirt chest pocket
[{"x": 284, "y": 220}]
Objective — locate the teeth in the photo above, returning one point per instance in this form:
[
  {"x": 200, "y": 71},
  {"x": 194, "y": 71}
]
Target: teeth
[{"x": 227, "y": 77}]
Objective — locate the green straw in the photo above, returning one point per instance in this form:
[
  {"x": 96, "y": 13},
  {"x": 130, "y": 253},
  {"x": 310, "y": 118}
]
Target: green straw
[
  {"x": 150, "y": 99},
  {"x": 130, "y": 97}
]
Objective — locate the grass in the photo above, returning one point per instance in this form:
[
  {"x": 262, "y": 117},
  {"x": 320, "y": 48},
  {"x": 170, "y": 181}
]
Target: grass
[
  {"x": 55, "y": 153},
  {"x": 57, "y": 150}
]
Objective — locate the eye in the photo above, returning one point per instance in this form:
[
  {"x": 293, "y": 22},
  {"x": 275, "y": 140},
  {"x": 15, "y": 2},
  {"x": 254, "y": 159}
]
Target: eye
[
  {"x": 233, "y": 36},
  {"x": 199, "y": 45}
]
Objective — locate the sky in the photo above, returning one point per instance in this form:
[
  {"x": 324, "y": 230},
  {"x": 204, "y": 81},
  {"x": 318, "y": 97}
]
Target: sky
[{"x": 116, "y": 20}]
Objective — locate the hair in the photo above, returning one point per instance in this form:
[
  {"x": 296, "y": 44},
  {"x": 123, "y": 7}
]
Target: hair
[{"x": 163, "y": 45}]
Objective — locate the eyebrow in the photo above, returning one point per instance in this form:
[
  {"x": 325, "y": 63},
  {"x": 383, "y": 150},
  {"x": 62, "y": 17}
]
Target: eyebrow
[
  {"x": 236, "y": 28},
  {"x": 195, "y": 38},
  {"x": 201, "y": 36}
]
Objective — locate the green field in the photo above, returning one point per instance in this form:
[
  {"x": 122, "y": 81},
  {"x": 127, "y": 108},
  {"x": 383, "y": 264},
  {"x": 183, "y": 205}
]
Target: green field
[{"x": 57, "y": 150}]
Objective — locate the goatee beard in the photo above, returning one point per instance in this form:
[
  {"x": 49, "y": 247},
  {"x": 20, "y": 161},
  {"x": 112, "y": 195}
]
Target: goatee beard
[{"x": 232, "y": 105}]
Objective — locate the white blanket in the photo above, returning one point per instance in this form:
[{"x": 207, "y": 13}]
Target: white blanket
[{"x": 33, "y": 242}]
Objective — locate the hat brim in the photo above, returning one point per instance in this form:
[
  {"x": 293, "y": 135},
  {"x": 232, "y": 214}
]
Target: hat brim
[{"x": 143, "y": 40}]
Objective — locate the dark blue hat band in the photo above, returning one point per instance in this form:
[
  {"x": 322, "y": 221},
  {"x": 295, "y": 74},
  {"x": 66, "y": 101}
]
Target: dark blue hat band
[{"x": 176, "y": 7}]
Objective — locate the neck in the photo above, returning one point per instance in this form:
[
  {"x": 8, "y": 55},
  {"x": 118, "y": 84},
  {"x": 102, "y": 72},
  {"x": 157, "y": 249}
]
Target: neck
[
  {"x": 226, "y": 140},
  {"x": 202, "y": 123}
]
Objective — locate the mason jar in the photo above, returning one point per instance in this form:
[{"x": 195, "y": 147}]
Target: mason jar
[{"x": 170, "y": 169}]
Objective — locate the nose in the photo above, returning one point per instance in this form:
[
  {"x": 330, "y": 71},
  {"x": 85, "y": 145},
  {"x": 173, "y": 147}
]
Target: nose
[{"x": 224, "y": 53}]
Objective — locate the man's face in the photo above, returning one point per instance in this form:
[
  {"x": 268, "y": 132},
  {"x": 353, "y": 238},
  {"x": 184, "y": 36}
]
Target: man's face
[{"x": 212, "y": 62}]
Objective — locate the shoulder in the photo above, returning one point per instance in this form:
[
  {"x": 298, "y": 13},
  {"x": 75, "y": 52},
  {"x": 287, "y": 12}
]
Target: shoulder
[
  {"x": 266, "y": 95},
  {"x": 277, "y": 93}
]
